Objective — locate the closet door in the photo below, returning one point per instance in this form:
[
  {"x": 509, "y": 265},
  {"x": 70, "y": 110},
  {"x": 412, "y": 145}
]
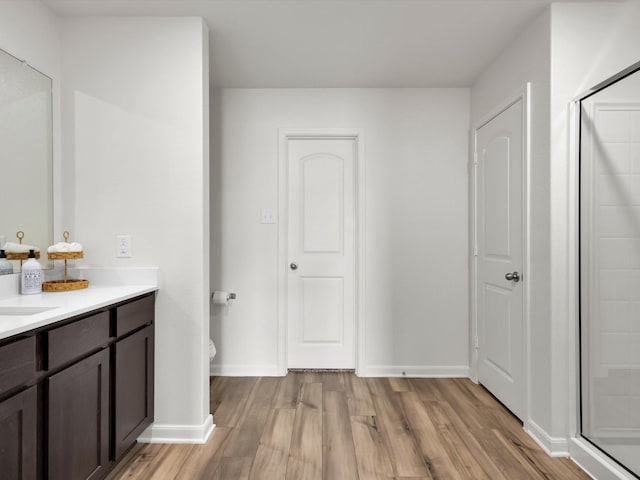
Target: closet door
[{"x": 499, "y": 203}]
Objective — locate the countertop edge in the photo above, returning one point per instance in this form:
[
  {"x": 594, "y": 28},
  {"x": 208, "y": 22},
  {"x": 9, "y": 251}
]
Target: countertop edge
[{"x": 64, "y": 306}]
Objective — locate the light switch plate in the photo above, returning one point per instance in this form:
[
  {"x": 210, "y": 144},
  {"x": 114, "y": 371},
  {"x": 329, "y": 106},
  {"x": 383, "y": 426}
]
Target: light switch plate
[{"x": 268, "y": 216}]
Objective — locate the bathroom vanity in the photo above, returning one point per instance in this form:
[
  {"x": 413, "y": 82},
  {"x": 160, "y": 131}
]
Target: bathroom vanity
[{"x": 76, "y": 382}]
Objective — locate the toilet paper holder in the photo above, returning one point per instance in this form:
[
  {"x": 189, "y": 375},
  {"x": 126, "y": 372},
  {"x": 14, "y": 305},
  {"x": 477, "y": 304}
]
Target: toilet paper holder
[{"x": 222, "y": 296}]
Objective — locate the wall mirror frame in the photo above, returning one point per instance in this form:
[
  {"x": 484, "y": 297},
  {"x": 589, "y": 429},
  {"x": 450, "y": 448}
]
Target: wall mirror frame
[{"x": 26, "y": 155}]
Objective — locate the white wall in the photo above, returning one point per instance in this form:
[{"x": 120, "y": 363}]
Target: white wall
[
  {"x": 569, "y": 49},
  {"x": 135, "y": 103},
  {"x": 30, "y": 32},
  {"x": 527, "y": 59},
  {"x": 590, "y": 42},
  {"x": 416, "y": 222}
]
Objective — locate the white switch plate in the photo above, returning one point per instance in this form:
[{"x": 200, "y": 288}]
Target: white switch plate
[
  {"x": 268, "y": 215},
  {"x": 123, "y": 246}
]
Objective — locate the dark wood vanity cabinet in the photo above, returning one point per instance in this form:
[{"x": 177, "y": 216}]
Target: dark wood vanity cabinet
[
  {"x": 75, "y": 395},
  {"x": 18, "y": 410}
]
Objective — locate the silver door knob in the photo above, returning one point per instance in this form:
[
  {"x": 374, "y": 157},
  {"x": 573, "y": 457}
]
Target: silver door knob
[
  {"x": 293, "y": 266},
  {"x": 515, "y": 276}
]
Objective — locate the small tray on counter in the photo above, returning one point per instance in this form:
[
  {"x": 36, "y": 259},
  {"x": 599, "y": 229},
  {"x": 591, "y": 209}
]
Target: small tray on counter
[
  {"x": 20, "y": 255},
  {"x": 64, "y": 285},
  {"x": 65, "y": 255}
]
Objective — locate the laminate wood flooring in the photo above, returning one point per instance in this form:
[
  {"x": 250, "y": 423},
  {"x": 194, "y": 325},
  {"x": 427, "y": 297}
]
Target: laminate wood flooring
[{"x": 336, "y": 426}]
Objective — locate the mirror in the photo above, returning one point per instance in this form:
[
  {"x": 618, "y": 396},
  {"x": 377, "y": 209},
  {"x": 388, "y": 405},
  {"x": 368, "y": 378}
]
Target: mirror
[{"x": 26, "y": 155}]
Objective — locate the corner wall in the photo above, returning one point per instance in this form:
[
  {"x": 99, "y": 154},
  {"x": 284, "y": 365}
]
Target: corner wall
[
  {"x": 569, "y": 49},
  {"x": 135, "y": 121},
  {"x": 527, "y": 59},
  {"x": 591, "y": 41},
  {"x": 416, "y": 293}
]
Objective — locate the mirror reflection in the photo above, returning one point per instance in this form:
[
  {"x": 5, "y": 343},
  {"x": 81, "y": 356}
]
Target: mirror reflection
[{"x": 26, "y": 156}]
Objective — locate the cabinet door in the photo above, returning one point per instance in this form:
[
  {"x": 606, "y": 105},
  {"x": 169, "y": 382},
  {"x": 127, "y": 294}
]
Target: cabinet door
[
  {"x": 133, "y": 388},
  {"x": 78, "y": 419},
  {"x": 18, "y": 436}
]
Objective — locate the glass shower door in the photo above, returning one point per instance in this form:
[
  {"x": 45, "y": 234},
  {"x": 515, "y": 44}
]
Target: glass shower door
[{"x": 610, "y": 269}]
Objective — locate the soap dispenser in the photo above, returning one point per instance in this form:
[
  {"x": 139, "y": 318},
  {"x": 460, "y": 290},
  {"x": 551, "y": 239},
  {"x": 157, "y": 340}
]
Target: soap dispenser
[
  {"x": 5, "y": 266},
  {"x": 31, "y": 275}
]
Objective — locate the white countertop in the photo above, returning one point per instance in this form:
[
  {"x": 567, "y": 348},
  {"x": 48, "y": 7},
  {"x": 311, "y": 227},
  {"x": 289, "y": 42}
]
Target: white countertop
[
  {"x": 102, "y": 291},
  {"x": 66, "y": 305}
]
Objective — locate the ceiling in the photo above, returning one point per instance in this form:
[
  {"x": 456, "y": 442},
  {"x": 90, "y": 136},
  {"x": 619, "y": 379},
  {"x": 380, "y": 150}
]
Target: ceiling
[{"x": 340, "y": 43}]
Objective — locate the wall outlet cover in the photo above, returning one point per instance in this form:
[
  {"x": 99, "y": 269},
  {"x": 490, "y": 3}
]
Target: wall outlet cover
[
  {"x": 123, "y": 246},
  {"x": 268, "y": 215}
]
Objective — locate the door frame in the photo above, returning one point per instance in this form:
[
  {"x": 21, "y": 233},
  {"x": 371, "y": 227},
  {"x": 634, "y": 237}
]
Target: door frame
[
  {"x": 284, "y": 135},
  {"x": 522, "y": 94}
]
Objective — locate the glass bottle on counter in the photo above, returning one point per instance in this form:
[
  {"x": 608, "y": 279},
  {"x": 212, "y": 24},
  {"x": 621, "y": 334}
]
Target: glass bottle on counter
[
  {"x": 5, "y": 265},
  {"x": 31, "y": 275}
]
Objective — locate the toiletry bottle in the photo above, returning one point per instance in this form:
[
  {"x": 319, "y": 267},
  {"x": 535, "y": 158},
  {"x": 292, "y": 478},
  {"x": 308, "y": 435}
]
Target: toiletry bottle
[
  {"x": 31, "y": 276},
  {"x": 5, "y": 266}
]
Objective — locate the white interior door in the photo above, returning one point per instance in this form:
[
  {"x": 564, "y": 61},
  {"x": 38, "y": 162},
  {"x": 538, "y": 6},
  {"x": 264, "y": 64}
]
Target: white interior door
[
  {"x": 499, "y": 201},
  {"x": 321, "y": 252}
]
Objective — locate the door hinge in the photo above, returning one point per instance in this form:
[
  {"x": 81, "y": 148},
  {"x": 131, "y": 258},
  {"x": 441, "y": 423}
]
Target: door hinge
[
  {"x": 476, "y": 343},
  {"x": 475, "y": 250},
  {"x": 475, "y": 158}
]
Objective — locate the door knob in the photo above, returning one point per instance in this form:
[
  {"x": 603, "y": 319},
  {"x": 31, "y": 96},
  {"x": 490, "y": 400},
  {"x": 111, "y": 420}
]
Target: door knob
[
  {"x": 293, "y": 266},
  {"x": 515, "y": 276}
]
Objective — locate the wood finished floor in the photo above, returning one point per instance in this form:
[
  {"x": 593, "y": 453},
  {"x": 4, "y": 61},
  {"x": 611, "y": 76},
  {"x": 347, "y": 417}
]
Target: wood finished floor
[{"x": 337, "y": 426}]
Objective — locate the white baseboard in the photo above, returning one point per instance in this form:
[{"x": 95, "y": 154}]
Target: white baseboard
[
  {"x": 552, "y": 446},
  {"x": 596, "y": 463},
  {"x": 416, "y": 371},
  {"x": 370, "y": 371},
  {"x": 244, "y": 371},
  {"x": 197, "y": 434}
]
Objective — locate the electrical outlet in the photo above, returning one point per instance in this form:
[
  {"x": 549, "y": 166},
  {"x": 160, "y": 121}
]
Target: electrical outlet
[
  {"x": 123, "y": 246},
  {"x": 268, "y": 215}
]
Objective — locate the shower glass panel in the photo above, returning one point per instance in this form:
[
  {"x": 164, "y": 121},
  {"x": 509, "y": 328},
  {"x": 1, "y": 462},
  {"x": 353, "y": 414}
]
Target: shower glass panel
[{"x": 610, "y": 268}]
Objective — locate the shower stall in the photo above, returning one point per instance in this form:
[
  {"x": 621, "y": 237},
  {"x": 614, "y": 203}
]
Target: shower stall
[{"x": 609, "y": 166}]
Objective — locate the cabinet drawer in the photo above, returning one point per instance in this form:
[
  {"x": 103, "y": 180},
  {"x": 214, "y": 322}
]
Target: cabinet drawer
[
  {"x": 134, "y": 315},
  {"x": 75, "y": 339},
  {"x": 17, "y": 363}
]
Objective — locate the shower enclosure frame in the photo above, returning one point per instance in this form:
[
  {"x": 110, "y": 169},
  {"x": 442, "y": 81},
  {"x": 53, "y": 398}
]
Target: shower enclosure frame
[{"x": 582, "y": 450}]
